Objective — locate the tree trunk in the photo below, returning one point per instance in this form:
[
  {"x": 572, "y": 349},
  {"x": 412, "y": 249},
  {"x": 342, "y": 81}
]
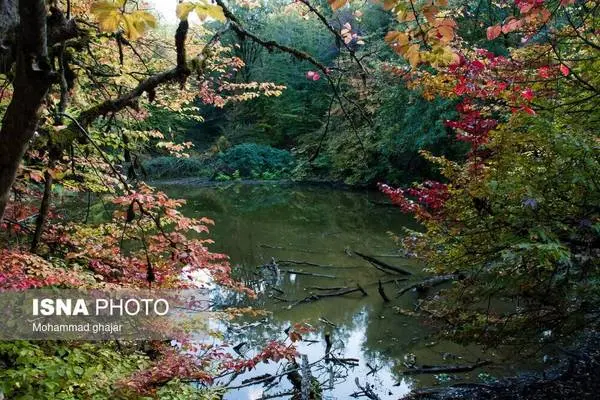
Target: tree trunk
[
  {"x": 32, "y": 81},
  {"x": 43, "y": 213}
]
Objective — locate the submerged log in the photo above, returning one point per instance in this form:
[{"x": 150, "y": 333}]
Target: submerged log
[
  {"x": 326, "y": 288},
  {"x": 292, "y": 271},
  {"x": 441, "y": 369},
  {"x": 327, "y": 322},
  {"x": 382, "y": 265},
  {"x": 382, "y": 292},
  {"x": 315, "y": 297},
  {"x": 428, "y": 283},
  {"x": 312, "y": 264}
]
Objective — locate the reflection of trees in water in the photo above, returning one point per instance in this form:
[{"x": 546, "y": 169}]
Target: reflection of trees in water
[
  {"x": 347, "y": 210},
  {"x": 384, "y": 336}
]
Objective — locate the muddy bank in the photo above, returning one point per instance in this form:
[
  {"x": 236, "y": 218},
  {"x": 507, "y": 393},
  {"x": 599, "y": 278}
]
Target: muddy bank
[{"x": 576, "y": 376}]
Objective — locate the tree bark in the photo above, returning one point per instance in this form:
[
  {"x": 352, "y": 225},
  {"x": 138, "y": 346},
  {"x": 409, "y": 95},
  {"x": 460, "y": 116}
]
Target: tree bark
[
  {"x": 32, "y": 81},
  {"x": 43, "y": 213}
]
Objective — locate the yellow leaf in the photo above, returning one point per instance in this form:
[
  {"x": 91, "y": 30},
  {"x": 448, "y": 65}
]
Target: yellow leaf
[
  {"x": 336, "y": 4},
  {"x": 142, "y": 21},
  {"x": 396, "y": 37},
  {"x": 108, "y": 14},
  {"x": 398, "y": 41},
  {"x": 209, "y": 10},
  {"x": 183, "y": 10},
  {"x": 145, "y": 18},
  {"x": 413, "y": 55},
  {"x": 130, "y": 29}
]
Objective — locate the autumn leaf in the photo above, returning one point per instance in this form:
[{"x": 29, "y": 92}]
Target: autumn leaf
[
  {"x": 430, "y": 11},
  {"x": 184, "y": 9},
  {"x": 337, "y": 4},
  {"x": 111, "y": 17},
  {"x": 493, "y": 32},
  {"x": 413, "y": 55},
  {"x": 511, "y": 25},
  {"x": 398, "y": 41},
  {"x": 36, "y": 176},
  {"x": 202, "y": 9},
  {"x": 295, "y": 337},
  {"x": 564, "y": 70},
  {"x": 210, "y": 11},
  {"x": 389, "y": 4}
]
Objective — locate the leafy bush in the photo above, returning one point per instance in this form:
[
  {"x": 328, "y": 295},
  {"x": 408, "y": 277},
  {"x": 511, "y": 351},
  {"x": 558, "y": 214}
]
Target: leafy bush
[
  {"x": 173, "y": 167},
  {"x": 252, "y": 160}
]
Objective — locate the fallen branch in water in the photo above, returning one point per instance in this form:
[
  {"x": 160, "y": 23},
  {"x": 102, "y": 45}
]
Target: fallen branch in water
[
  {"x": 326, "y": 288},
  {"x": 304, "y": 263},
  {"x": 353, "y": 362},
  {"x": 312, "y": 264},
  {"x": 259, "y": 379},
  {"x": 372, "y": 369},
  {"x": 270, "y": 378},
  {"x": 437, "y": 369},
  {"x": 268, "y": 246},
  {"x": 366, "y": 390},
  {"x": 382, "y": 293},
  {"x": 382, "y": 265},
  {"x": 291, "y": 271},
  {"x": 275, "y": 288},
  {"x": 386, "y": 281},
  {"x": 327, "y": 322},
  {"x": 428, "y": 283},
  {"x": 315, "y": 297}
]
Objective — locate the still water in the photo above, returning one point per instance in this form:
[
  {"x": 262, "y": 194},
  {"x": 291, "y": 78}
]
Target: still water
[{"x": 316, "y": 230}]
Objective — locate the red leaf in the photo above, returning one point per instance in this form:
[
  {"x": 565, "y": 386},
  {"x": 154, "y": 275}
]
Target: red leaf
[
  {"x": 527, "y": 94},
  {"x": 564, "y": 70},
  {"x": 544, "y": 72},
  {"x": 528, "y": 110}
]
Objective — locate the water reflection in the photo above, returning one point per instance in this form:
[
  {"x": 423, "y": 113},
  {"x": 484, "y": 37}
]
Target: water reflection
[{"x": 314, "y": 230}]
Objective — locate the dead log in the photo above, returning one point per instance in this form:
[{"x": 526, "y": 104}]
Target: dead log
[
  {"x": 315, "y": 297},
  {"x": 382, "y": 265},
  {"x": 441, "y": 369},
  {"x": 382, "y": 293},
  {"x": 238, "y": 348},
  {"x": 372, "y": 369},
  {"x": 312, "y": 264},
  {"x": 366, "y": 390},
  {"x": 428, "y": 283},
  {"x": 327, "y": 322},
  {"x": 291, "y": 271},
  {"x": 326, "y": 288}
]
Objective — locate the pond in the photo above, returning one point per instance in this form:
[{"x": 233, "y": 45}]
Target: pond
[{"x": 312, "y": 233}]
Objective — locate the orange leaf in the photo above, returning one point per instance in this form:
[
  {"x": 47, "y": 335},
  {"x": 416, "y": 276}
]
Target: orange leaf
[
  {"x": 336, "y": 4},
  {"x": 389, "y": 4},
  {"x": 512, "y": 25},
  {"x": 493, "y": 32}
]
